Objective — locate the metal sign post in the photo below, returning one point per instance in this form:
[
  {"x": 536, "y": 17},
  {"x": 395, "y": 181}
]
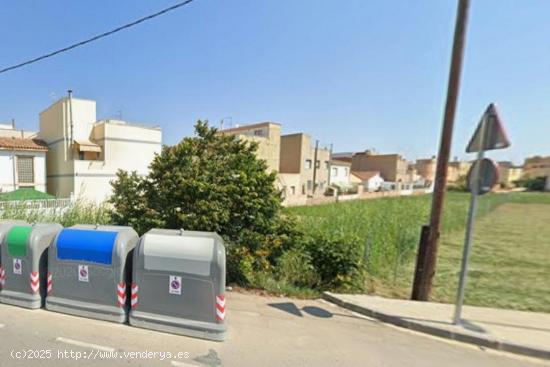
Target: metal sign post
[{"x": 489, "y": 135}]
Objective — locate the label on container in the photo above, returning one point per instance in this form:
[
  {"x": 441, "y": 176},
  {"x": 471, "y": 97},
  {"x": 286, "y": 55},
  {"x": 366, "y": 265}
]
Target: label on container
[
  {"x": 17, "y": 266},
  {"x": 83, "y": 274},
  {"x": 175, "y": 285}
]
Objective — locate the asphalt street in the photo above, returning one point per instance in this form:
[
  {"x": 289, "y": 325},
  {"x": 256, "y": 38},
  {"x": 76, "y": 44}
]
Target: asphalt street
[{"x": 263, "y": 331}]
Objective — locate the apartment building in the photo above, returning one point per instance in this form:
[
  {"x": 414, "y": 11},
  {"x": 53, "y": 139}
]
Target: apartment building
[
  {"x": 426, "y": 168},
  {"x": 268, "y": 137},
  {"x": 536, "y": 166},
  {"x": 508, "y": 173},
  {"x": 22, "y": 160},
  {"x": 392, "y": 167},
  {"x": 457, "y": 169},
  {"x": 85, "y": 154},
  {"x": 299, "y": 156}
]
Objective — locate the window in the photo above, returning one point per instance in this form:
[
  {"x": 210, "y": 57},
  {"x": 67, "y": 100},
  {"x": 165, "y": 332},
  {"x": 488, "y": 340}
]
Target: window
[
  {"x": 334, "y": 171},
  {"x": 259, "y": 132},
  {"x": 309, "y": 184},
  {"x": 327, "y": 165},
  {"x": 308, "y": 163},
  {"x": 346, "y": 171},
  {"x": 25, "y": 170},
  {"x": 317, "y": 164},
  {"x": 293, "y": 190}
]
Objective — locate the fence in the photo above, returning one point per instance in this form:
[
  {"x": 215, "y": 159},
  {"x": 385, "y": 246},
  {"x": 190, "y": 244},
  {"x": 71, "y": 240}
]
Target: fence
[{"x": 50, "y": 206}]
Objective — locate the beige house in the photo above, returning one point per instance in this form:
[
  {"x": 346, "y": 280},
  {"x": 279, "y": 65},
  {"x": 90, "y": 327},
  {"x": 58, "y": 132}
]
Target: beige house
[
  {"x": 268, "y": 137},
  {"x": 340, "y": 173},
  {"x": 291, "y": 156},
  {"x": 536, "y": 167},
  {"x": 392, "y": 167},
  {"x": 508, "y": 174},
  {"x": 85, "y": 154},
  {"x": 22, "y": 160},
  {"x": 370, "y": 180},
  {"x": 457, "y": 169},
  {"x": 298, "y": 156}
]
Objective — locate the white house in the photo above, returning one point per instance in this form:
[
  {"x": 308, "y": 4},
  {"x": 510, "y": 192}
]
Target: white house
[
  {"x": 370, "y": 180},
  {"x": 340, "y": 173},
  {"x": 85, "y": 154},
  {"x": 22, "y": 160}
]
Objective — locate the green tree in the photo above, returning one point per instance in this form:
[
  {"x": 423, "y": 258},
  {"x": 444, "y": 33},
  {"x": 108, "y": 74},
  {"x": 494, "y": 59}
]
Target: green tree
[{"x": 210, "y": 182}]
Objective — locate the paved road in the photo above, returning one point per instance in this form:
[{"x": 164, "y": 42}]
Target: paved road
[{"x": 263, "y": 331}]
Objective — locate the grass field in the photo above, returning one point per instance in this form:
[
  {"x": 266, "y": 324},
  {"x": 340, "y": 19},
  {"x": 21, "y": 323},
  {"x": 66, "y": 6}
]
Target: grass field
[{"x": 510, "y": 263}]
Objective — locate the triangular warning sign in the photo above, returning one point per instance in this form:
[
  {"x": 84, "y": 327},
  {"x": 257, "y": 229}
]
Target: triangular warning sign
[{"x": 489, "y": 133}]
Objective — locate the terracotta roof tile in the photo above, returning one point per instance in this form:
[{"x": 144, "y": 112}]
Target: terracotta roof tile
[
  {"x": 365, "y": 175},
  {"x": 7, "y": 143}
]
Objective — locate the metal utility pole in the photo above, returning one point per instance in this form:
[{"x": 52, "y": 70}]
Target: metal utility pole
[
  {"x": 315, "y": 164},
  {"x": 427, "y": 252}
]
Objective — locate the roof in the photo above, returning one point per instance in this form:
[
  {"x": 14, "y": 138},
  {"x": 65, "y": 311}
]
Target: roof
[
  {"x": 249, "y": 127},
  {"x": 23, "y": 144},
  {"x": 85, "y": 145},
  {"x": 337, "y": 162},
  {"x": 25, "y": 194},
  {"x": 365, "y": 175}
]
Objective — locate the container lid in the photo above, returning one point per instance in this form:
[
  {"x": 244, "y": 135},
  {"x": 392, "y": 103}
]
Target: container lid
[
  {"x": 86, "y": 245},
  {"x": 178, "y": 253},
  {"x": 17, "y": 239}
]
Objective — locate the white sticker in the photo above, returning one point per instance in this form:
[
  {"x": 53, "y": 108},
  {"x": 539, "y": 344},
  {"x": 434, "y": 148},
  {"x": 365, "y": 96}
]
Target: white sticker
[
  {"x": 83, "y": 273},
  {"x": 17, "y": 266},
  {"x": 175, "y": 285}
]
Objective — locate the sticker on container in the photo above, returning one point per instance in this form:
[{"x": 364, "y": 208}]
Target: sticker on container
[
  {"x": 17, "y": 266},
  {"x": 83, "y": 275},
  {"x": 175, "y": 285}
]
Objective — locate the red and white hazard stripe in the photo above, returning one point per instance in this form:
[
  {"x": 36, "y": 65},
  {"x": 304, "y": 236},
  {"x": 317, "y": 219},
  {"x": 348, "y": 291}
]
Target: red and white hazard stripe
[
  {"x": 220, "y": 307},
  {"x": 2, "y": 277},
  {"x": 121, "y": 294},
  {"x": 35, "y": 281},
  {"x": 50, "y": 282},
  {"x": 134, "y": 297}
]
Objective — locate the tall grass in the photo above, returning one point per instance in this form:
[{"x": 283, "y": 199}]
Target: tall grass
[
  {"x": 80, "y": 213},
  {"x": 390, "y": 227}
]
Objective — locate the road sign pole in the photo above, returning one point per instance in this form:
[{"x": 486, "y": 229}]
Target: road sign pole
[{"x": 469, "y": 228}]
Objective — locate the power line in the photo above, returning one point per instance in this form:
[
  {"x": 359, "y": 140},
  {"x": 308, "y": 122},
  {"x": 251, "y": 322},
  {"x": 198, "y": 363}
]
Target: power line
[{"x": 95, "y": 38}]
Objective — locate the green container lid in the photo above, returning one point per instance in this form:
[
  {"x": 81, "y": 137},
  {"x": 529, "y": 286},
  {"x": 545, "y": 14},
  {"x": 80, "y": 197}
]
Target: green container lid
[{"x": 17, "y": 240}]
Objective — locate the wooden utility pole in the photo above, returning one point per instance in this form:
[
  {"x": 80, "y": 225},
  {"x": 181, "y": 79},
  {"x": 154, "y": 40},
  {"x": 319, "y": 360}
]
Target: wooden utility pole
[
  {"x": 427, "y": 251},
  {"x": 315, "y": 164}
]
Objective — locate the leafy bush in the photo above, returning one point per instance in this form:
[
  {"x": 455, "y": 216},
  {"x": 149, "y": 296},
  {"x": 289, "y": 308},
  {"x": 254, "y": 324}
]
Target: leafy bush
[
  {"x": 338, "y": 261},
  {"x": 295, "y": 267},
  {"x": 211, "y": 182},
  {"x": 532, "y": 184}
]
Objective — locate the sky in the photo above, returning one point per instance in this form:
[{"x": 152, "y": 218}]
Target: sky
[{"x": 354, "y": 73}]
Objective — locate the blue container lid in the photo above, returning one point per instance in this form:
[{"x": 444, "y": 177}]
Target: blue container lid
[{"x": 86, "y": 245}]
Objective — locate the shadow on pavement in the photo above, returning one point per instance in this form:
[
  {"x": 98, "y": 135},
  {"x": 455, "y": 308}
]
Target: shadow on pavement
[{"x": 292, "y": 309}]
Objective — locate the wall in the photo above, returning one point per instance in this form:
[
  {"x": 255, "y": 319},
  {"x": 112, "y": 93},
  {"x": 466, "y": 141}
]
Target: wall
[
  {"x": 340, "y": 174},
  {"x": 536, "y": 167},
  {"x": 291, "y": 154},
  {"x": 392, "y": 167},
  {"x": 426, "y": 168},
  {"x": 7, "y": 174}
]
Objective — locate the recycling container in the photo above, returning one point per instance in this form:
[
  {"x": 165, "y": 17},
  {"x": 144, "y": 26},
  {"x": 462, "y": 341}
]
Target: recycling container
[
  {"x": 5, "y": 227},
  {"x": 90, "y": 267},
  {"x": 178, "y": 283},
  {"x": 25, "y": 263}
]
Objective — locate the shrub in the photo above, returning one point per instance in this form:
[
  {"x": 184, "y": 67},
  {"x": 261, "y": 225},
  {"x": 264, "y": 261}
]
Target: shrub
[
  {"x": 338, "y": 261},
  {"x": 295, "y": 267},
  {"x": 532, "y": 184}
]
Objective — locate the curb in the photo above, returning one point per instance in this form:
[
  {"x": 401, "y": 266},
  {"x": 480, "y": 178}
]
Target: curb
[{"x": 481, "y": 341}]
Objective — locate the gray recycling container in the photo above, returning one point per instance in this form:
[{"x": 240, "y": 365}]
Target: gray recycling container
[
  {"x": 25, "y": 263},
  {"x": 178, "y": 283},
  {"x": 90, "y": 269},
  {"x": 5, "y": 226}
]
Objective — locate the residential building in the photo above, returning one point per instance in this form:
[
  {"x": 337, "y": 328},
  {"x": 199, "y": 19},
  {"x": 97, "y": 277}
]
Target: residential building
[
  {"x": 457, "y": 170},
  {"x": 392, "y": 167},
  {"x": 426, "y": 168},
  {"x": 536, "y": 166},
  {"x": 508, "y": 174},
  {"x": 268, "y": 137},
  {"x": 22, "y": 160},
  {"x": 340, "y": 173},
  {"x": 85, "y": 154},
  {"x": 370, "y": 180},
  {"x": 298, "y": 156}
]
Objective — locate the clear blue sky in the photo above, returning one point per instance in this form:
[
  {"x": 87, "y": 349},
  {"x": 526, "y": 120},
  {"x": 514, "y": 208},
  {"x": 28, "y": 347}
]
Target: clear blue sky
[{"x": 360, "y": 74}]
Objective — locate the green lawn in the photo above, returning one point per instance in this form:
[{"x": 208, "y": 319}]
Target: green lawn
[{"x": 510, "y": 262}]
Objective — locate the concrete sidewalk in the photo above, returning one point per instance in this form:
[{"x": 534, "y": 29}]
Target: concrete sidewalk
[{"x": 526, "y": 333}]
